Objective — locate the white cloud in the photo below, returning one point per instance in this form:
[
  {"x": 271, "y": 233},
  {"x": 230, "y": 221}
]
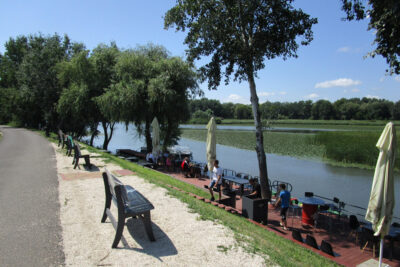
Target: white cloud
[
  {"x": 237, "y": 99},
  {"x": 266, "y": 94},
  {"x": 312, "y": 96},
  {"x": 344, "y": 49},
  {"x": 372, "y": 96},
  {"x": 397, "y": 78},
  {"x": 355, "y": 90},
  {"x": 382, "y": 79},
  {"x": 283, "y": 93},
  {"x": 342, "y": 82}
]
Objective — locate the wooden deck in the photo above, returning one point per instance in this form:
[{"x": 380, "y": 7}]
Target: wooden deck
[{"x": 343, "y": 242}]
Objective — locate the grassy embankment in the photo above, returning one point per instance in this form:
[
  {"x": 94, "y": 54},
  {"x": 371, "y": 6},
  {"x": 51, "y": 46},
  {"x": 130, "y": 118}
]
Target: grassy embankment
[
  {"x": 354, "y": 147},
  {"x": 251, "y": 237}
]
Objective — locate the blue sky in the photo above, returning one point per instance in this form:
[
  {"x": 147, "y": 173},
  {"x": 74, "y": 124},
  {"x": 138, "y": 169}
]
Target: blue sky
[{"x": 331, "y": 67}]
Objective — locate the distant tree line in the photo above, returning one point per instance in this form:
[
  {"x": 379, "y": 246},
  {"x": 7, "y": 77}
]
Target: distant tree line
[
  {"x": 342, "y": 109},
  {"x": 50, "y": 82}
]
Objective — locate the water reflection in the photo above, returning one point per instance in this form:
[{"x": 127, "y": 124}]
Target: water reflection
[{"x": 350, "y": 185}]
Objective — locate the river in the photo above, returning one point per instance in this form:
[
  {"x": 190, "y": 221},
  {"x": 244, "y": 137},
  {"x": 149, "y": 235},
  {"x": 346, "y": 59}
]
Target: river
[{"x": 350, "y": 185}]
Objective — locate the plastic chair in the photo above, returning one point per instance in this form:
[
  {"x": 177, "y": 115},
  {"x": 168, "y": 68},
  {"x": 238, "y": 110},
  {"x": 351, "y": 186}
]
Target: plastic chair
[
  {"x": 310, "y": 240},
  {"x": 327, "y": 248},
  {"x": 294, "y": 210},
  {"x": 308, "y": 194},
  {"x": 323, "y": 209},
  {"x": 297, "y": 235},
  {"x": 354, "y": 225},
  {"x": 369, "y": 238}
]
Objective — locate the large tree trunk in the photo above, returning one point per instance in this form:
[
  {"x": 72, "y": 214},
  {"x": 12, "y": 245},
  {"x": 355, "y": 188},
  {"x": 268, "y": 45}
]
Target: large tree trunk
[
  {"x": 107, "y": 137},
  {"x": 95, "y": 132},
  {"x": 147, "y": 134},
  {"x": 262, "y": 161}
]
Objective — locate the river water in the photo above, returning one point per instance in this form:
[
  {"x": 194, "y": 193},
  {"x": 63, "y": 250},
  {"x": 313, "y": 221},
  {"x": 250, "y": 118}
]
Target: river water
[{"x": 350, "y": 185}]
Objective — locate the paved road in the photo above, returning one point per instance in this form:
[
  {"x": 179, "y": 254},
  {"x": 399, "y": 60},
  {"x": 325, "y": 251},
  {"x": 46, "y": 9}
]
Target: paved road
[{"x": 30, "y": 231}]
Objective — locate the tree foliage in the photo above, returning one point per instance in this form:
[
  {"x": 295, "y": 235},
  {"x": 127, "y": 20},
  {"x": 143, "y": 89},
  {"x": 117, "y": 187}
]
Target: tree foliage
[
  {"x": 151, "y": 84},
  {"x": 384, "y": 19},
  {"x": 341, "y": 109}
]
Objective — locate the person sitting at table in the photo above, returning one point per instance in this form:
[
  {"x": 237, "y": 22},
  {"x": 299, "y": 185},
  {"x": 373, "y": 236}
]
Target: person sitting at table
[
  {"x": 256, "y": 188},
  {"x": 185, "y": 167},
  {"x": 284, "y": 199},
  {"x": 150, "y": 157},
  {"x": 168, "y": 163}
]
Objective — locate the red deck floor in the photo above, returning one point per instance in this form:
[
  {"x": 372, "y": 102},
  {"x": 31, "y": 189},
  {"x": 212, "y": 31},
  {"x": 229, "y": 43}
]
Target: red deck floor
[{"x": 342, "y": 241}]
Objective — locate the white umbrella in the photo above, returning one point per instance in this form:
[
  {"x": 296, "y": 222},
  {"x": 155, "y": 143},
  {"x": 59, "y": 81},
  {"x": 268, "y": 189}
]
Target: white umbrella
[
  {"x": 155, "y": 138},
  {"x": 381, "y": 202},
  {"x": 211, "y": 143}
]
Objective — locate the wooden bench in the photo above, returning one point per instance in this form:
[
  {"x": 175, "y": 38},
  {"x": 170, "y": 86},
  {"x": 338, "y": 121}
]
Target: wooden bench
[
  {"x": 61, "y": 138},
  {"x": 78, "y": 155},
  {"x": 130, "y": 203},
  {"x": 69, "y": 144}
]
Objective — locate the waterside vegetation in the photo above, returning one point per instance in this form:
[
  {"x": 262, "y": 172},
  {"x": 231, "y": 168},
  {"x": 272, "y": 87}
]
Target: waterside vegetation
[{"x": 350, "y": 149}]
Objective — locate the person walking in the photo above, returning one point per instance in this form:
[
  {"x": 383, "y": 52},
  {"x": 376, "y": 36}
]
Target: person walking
[
  {"x": 284, "y": 200},
  {"x": 216, "y": 180}
]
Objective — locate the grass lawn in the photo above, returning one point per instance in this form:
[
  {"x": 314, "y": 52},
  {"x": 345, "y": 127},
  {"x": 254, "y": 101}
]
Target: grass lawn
[{"x": 251, "y": 237}]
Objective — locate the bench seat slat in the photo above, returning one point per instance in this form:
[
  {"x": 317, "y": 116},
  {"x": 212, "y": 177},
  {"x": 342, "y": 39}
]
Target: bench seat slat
[{"x": 136, "y": 202}]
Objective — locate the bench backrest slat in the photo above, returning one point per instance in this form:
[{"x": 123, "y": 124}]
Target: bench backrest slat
[
  {"x": 77, "y": 150},
  {"x": 112, "y": 182}
]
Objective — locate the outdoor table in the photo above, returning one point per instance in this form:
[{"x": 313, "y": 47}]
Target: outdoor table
[
  {"x": 310, "y": 206},
  {"x": 236, "y": 180}
]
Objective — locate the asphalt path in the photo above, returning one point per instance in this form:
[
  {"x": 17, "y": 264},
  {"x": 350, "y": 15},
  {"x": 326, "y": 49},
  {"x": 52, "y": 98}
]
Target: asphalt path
[{"x": 30, "y": 231}]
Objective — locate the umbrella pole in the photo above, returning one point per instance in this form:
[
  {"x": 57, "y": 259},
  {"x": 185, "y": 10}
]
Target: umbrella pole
[{"x": 380, "y": 253}]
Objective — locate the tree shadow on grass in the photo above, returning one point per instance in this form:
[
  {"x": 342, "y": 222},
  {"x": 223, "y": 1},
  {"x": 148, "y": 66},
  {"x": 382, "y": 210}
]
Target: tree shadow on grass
[{"x": 162, "y": 247}]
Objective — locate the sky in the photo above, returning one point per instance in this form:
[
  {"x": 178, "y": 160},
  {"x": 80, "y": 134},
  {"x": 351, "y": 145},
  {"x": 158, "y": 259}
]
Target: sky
[{"x": 333, "y": 66}]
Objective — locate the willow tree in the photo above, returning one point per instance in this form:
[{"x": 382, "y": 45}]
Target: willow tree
[
  {"x": 238, "y": 36},
  {"x": 149, "y": 83}
]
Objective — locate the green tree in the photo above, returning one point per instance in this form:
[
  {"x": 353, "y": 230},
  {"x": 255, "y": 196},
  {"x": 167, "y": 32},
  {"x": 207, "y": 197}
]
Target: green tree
[
  {"x": 238, "y": 36},
  {"x": 384, "y": 20},
  {"x": 84, "y": 79},
  {"x": 228, "y": 110},
  {"x": 396, "y": 111},
  {"x": 15, "y": 51},
  {"x": 39, "y": 89},
  {"x": 104, "y": 59},
  {"x": 75, "y": 106},
  {"x": 242, "y": 112},
  {"x": 322, "y": 110},
  {"x": 151, "y": 84}
]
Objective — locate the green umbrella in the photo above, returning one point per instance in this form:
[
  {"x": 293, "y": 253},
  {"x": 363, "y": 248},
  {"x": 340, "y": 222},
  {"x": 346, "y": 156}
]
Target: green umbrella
[
  {"x": 155, "y": 137},
  {"x": 211, "y": 143},
  {"x": 381, "y": 202}
]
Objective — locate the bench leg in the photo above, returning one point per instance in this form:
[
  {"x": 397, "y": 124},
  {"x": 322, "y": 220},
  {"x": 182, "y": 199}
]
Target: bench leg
[
  {"x": 147, "y": 225},
  {"x": 107, "y": 207},
  {"x": 120, "y": 229},
  {"x": 108, "y": 197},
  {"x": 87, "y": 162},
  {"x": 76, "y": 163}
]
